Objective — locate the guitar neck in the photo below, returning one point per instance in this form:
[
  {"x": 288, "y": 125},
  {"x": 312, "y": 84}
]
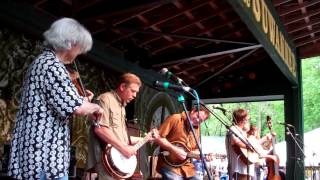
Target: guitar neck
[
  {"x": 273, "y": 145},
  {"x": 193, "y": 155},
  {"x": 217, "y": 156}
]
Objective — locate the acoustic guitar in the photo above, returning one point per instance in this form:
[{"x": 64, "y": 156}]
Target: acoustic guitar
[
  {"x": 119, "y": 166},
  {"x": 247, "y": 155},
  {"x": 172, "y": 160}
]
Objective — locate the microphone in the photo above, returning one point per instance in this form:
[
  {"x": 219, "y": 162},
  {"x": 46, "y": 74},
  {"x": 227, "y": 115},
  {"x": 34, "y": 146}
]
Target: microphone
[
  {"x": 167, "y": 85},
  {"x": 170, "y": 75},
  {"x": 285, "y": 124},
  {"x": 294, "y": 157},
  {"x": 288, "y": 133},
  {"x": 220, "y": 108}
]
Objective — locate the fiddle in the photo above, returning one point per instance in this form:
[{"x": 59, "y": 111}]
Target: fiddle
[{"x": 76, "y": 81}]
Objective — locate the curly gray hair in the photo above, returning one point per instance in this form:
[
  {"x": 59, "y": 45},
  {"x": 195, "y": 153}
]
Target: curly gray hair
[{"x": 66, "y": 32}]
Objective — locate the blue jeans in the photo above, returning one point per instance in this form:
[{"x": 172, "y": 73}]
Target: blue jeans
[
  {"x": 169, "y": 175},
  {"x": 43, "y": 177}
]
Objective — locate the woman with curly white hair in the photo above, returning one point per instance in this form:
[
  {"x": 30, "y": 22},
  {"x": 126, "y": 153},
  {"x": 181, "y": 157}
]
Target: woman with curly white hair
[{"x": 41, "y": 140}]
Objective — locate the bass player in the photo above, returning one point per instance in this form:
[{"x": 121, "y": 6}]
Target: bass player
[{"x": 177, "y": 140}]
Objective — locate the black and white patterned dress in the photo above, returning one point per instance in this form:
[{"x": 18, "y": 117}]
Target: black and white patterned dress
[{"x": 41, "y": 139}]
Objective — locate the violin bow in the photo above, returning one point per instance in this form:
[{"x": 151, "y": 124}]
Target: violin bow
[{"x": 80, "y": 80}]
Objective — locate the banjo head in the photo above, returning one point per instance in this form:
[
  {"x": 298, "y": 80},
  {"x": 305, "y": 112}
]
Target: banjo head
[{"x": 123, "y": 164}]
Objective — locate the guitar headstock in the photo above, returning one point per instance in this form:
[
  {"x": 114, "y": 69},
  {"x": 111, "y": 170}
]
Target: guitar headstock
[
  {"x": 212, "y": 156},
  {"x": 269, "y": 123}
]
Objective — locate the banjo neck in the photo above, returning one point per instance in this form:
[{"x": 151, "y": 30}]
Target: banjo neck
[{"x": 142, "y": 142}]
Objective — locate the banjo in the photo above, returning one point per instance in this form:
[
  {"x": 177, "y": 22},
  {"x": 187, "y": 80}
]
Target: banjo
[{"x": 117, "y": 164}]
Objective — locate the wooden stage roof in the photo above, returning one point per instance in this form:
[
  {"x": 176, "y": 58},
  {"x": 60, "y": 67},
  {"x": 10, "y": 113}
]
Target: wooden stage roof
[{"x": 204, "y": 42}]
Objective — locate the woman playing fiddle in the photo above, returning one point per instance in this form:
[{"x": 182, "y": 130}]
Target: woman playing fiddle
[{"x": 40, "y": 148}]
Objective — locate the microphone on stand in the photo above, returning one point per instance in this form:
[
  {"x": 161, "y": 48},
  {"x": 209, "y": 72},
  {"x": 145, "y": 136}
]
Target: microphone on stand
[
  {"x": 167, "y": 85},
  {"x": 286, "y": 124},
  {"x": 288, "y": 132},
  {"x": 170, "y": 75}
]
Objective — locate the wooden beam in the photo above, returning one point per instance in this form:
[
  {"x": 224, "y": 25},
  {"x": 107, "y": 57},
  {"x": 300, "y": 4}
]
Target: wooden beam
[
  {"x": 168, "y": 16},
  {"x": 203, "y": 56},
  {"x": 303, "y": 25},
  {"x": 227, "y": 66},
  {"x": 310, "y": 51},
  {"x": 33, "y": 22},
  {"x": 310, "y": 40},
  {"x": 116, "y": 8},
  {"x": 297, "y": 7},
  {"x": 277, "y": 3},
  {"x": 188, "y": 24},
  {"x": 200, "y": 33},
  {"x": 306, "y": 33},
  {"x": 287, "y": 21}
]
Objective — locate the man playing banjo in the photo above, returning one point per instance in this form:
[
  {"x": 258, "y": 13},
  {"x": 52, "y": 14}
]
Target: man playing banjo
[
  {"x": 113, "y": 130},
  {"x": 175, "y": 138}
]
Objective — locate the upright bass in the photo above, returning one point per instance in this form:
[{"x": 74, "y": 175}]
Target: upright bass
[{"x": 273, "y": 165}]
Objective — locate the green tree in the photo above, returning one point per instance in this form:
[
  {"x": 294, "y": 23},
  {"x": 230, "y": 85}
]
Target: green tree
[{"x": 311, "y": 93}]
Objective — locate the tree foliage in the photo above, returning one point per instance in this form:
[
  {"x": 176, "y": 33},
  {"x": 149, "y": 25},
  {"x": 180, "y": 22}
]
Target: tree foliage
[{"x": 311, "y": 93}]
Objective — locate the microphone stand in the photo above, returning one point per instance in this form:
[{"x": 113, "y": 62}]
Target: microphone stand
[
  {"x": 245, "y": 141},
  {"x": 182, "y": 101},
  {"x": 242, "y": 139},
  {"x": 295, "y": 141}
]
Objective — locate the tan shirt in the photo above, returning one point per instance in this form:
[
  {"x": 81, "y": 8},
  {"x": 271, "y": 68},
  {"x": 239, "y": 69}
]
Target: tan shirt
[
  {"x": 176, "y": 128},
  {"x": 113, "y": 118}
]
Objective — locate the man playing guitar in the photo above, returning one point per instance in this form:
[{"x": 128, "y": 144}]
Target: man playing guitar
[
  {"x": 243, "y": 150},
  {"x": 177, "y": 140},
  {"x": 237, "y": 168}
]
